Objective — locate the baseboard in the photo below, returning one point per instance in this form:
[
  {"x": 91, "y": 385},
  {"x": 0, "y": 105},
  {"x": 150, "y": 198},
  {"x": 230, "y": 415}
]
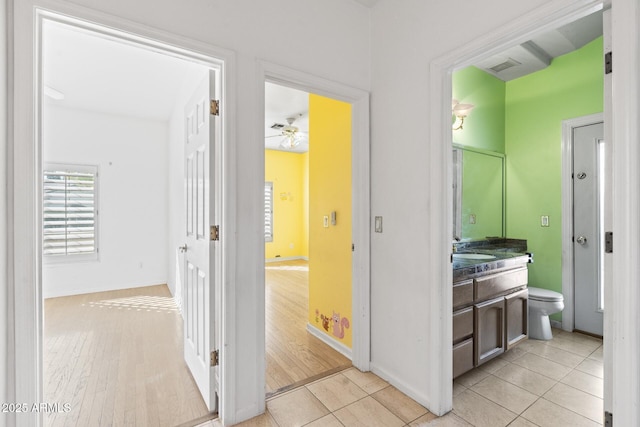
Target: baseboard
[
  {"x": 416, "y": 395},
  {"x": 336, "y": 345},
  {"x": 287, "y": 258},
  {"x": 555, "y": 324}
]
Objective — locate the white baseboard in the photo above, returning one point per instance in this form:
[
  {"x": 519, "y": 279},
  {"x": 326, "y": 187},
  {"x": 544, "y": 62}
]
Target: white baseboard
[
  {"x": 336, "y": 345},
  {"x": 416, "y": 395},
  {"x": 287, "y": 258},
  {"x": 56, "y": 293},
  {"x": 555, "y": 324}
]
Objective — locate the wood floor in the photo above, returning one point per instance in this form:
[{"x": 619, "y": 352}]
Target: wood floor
[
  {"x": 116, "y": 358},
  {"x": 294, "y": 356}
]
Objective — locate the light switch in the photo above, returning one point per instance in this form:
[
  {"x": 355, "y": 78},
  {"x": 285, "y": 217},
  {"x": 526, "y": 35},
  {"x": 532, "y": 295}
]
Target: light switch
[
  {"x": 544, "y": 221},
  {"x": 325, "y": 221},
  {"x": 333, "y": 218},
  {"x": 378, "y": 224}
]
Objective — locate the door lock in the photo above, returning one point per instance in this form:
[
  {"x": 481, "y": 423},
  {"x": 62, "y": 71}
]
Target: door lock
[{"x": 581, "y": 240}]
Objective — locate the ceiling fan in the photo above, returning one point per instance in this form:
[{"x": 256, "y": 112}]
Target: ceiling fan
[{"x": 290, "y": 134}]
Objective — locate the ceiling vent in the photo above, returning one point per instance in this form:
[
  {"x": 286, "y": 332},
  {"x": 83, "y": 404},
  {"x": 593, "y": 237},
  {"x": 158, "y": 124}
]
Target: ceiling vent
[
  {"x": 505, "y": 65},
  {"x": 277, "y": 126}
]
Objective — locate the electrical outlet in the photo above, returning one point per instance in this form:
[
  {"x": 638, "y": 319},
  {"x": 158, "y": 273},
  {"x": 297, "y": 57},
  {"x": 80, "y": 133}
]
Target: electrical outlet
[{"x": 472, "y": 219}]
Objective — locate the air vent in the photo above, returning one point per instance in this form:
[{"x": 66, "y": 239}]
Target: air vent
[
  {"x": 277, "y": 126},
  {"x": 506, "y": 64}
]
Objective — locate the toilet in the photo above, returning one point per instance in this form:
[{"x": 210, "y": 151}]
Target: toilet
[{"x": 542, "y": 303}]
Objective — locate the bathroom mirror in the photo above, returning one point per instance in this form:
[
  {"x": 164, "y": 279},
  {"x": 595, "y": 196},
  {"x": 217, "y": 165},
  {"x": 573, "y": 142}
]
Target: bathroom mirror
[{"x": 478, "y": 192}]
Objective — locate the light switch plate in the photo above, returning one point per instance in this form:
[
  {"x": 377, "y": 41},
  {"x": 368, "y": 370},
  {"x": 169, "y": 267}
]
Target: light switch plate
[
  {"x": 378, "y": 224},
  {"x": 544, "y": 221},
  {"x": 325, "y": 221}
]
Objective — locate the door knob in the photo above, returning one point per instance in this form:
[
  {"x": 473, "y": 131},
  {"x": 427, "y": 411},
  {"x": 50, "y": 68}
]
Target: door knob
[
  {"x": 581, "y": 240},
  {"x": 183, "y": 248}
]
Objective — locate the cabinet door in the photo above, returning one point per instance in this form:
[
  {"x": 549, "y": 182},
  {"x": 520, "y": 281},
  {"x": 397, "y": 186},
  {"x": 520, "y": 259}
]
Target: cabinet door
[
  {"x": 516, "y": 319},
  {"x": 489, "y": 336}
]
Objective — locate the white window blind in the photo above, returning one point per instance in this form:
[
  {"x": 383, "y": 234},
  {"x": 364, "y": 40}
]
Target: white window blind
[
  {"x": 69, "y": 213},
  {"x": 268, "y": 211}
]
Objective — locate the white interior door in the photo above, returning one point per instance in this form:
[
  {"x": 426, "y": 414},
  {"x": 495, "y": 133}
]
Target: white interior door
[
  {"x": 588, "y": 172},
  {"x": 199, "y": 270}
]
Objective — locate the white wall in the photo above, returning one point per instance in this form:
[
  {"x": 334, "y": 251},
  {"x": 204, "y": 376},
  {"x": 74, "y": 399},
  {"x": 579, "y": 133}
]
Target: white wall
[
  {"x": 132, "y": 159},
  {"x": 4, "y": 306},
  {"x": 408, "y": 36}
]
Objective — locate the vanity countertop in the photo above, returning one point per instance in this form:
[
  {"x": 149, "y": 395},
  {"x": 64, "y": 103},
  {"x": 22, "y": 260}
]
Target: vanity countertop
[{"x": 469, "y": 268}]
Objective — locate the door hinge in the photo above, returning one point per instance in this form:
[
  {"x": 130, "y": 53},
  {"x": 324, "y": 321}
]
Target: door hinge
[
  {"x": 608, "y": 419},
  {"x": 608, "y": 63},
  {"x": 215, "y": 107},
  {"x": 215, "y": 232},
  {"x": 353, "y": 247},
  {"x": 215, "y": 361},
  {"x": 608, "y": 242}
]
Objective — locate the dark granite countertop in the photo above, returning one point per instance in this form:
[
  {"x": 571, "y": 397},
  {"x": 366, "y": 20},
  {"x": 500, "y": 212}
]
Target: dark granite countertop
[{"x": 464, "y": 269}]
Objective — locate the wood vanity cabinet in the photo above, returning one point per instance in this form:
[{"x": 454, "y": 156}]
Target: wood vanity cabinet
[{"x": 490, "y": 317}]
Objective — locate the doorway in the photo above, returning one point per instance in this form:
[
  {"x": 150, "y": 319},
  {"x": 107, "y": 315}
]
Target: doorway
[
  {"x": 441, "y": 87},
  {"x": 130, "y": 142},
  {"x": 308, "y": 236}
]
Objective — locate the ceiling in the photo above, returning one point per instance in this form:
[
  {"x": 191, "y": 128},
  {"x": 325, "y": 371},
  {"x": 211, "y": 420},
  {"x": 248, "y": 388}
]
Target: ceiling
[
  {"x": 537, "y": 53},
  {"x": 97, "y": 73}
]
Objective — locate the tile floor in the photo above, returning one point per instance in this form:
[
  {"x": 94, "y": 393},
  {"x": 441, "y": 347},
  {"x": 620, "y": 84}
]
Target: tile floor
[{"x": 538, "y": 383}]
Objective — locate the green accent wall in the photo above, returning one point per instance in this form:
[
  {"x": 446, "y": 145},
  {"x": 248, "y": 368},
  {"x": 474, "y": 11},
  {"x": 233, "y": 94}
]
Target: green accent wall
[
  {"x": 536, "y": 104},
  {"x": 484, "y": 128}
]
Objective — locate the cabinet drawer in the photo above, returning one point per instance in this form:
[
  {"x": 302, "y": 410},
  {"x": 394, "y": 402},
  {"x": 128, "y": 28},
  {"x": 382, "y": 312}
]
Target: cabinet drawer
[
  {"x": 462, "y": 324},
  {"x": 495, "y": 284},
  {"x": 462, "y": 357},
  {"x": 462, "y": 293}
]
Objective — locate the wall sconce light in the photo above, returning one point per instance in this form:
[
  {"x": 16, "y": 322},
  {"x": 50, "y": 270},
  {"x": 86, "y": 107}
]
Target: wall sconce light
[{"x": 459, "y": 112}]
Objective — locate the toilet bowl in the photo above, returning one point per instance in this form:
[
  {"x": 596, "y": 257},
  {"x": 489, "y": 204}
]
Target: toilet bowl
[{"x": 542, "y": 303}]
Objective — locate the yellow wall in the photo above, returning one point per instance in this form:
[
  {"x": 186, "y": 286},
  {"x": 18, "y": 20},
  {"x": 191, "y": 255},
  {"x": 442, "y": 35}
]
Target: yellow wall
[
  {"x": 330, "y": 190},
  {"x": 290, "y": 227}
]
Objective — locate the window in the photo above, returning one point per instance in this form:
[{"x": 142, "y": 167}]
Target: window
[
  {"x": 268, "y": 211},
  {"x": 70, "y": 211}
]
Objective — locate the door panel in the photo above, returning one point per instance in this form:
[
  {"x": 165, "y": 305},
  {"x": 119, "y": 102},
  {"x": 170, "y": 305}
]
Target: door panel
[
  {"x": 199, "y": 285},
  {"x": 488, "y": 331},
  {"x": 587, "y": 235}
]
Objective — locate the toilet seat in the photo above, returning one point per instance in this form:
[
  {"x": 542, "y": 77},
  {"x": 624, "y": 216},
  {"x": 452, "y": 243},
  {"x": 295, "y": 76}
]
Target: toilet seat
[{"x": 545, "y": 295}]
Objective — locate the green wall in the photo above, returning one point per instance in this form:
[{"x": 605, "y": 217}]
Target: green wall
[
  {"x": 536, "y": 105},
  {"x": 484, "y": 127}
]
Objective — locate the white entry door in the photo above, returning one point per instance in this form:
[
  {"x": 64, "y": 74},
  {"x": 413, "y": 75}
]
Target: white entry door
[
  {"x": 588, "y": 163},
  {"x": 199, "y": 271}
]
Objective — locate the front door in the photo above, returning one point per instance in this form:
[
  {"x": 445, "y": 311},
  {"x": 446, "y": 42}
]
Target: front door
[
  {"x": 199, "y": 275},
  {"x": 588, "y": 161}
]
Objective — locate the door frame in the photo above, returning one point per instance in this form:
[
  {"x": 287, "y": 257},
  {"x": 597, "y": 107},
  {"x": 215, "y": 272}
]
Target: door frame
[
  {"x": 360, "y": 185},
  {"x": 25, "y": 319},
  {"x": 568, "y": 291},
  {"x": 621, "y": 340}
]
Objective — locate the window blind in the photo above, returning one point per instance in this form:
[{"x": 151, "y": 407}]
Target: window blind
[
  {"x": 268, "y": 211},
  {"x": 69, "y": 211}
]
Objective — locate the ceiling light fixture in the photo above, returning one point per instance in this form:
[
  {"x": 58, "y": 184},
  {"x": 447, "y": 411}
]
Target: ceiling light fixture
[{"x": 459, "y": 112}]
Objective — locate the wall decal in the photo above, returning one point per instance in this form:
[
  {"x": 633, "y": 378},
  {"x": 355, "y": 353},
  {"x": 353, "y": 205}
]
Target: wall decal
[{"x": 339, "y": 325}]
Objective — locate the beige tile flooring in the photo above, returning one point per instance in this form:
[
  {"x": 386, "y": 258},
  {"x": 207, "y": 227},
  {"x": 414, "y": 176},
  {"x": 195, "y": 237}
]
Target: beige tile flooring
[{"x": 538, "y": 383}]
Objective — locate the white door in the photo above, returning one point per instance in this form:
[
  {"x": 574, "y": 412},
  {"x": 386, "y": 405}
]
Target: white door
[
  {"x": 199, "y": 270},
  {"x": 588, "y": 163}
]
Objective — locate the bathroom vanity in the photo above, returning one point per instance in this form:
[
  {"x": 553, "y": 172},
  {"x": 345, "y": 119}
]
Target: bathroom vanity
[{"x": 489, "y": 303}]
